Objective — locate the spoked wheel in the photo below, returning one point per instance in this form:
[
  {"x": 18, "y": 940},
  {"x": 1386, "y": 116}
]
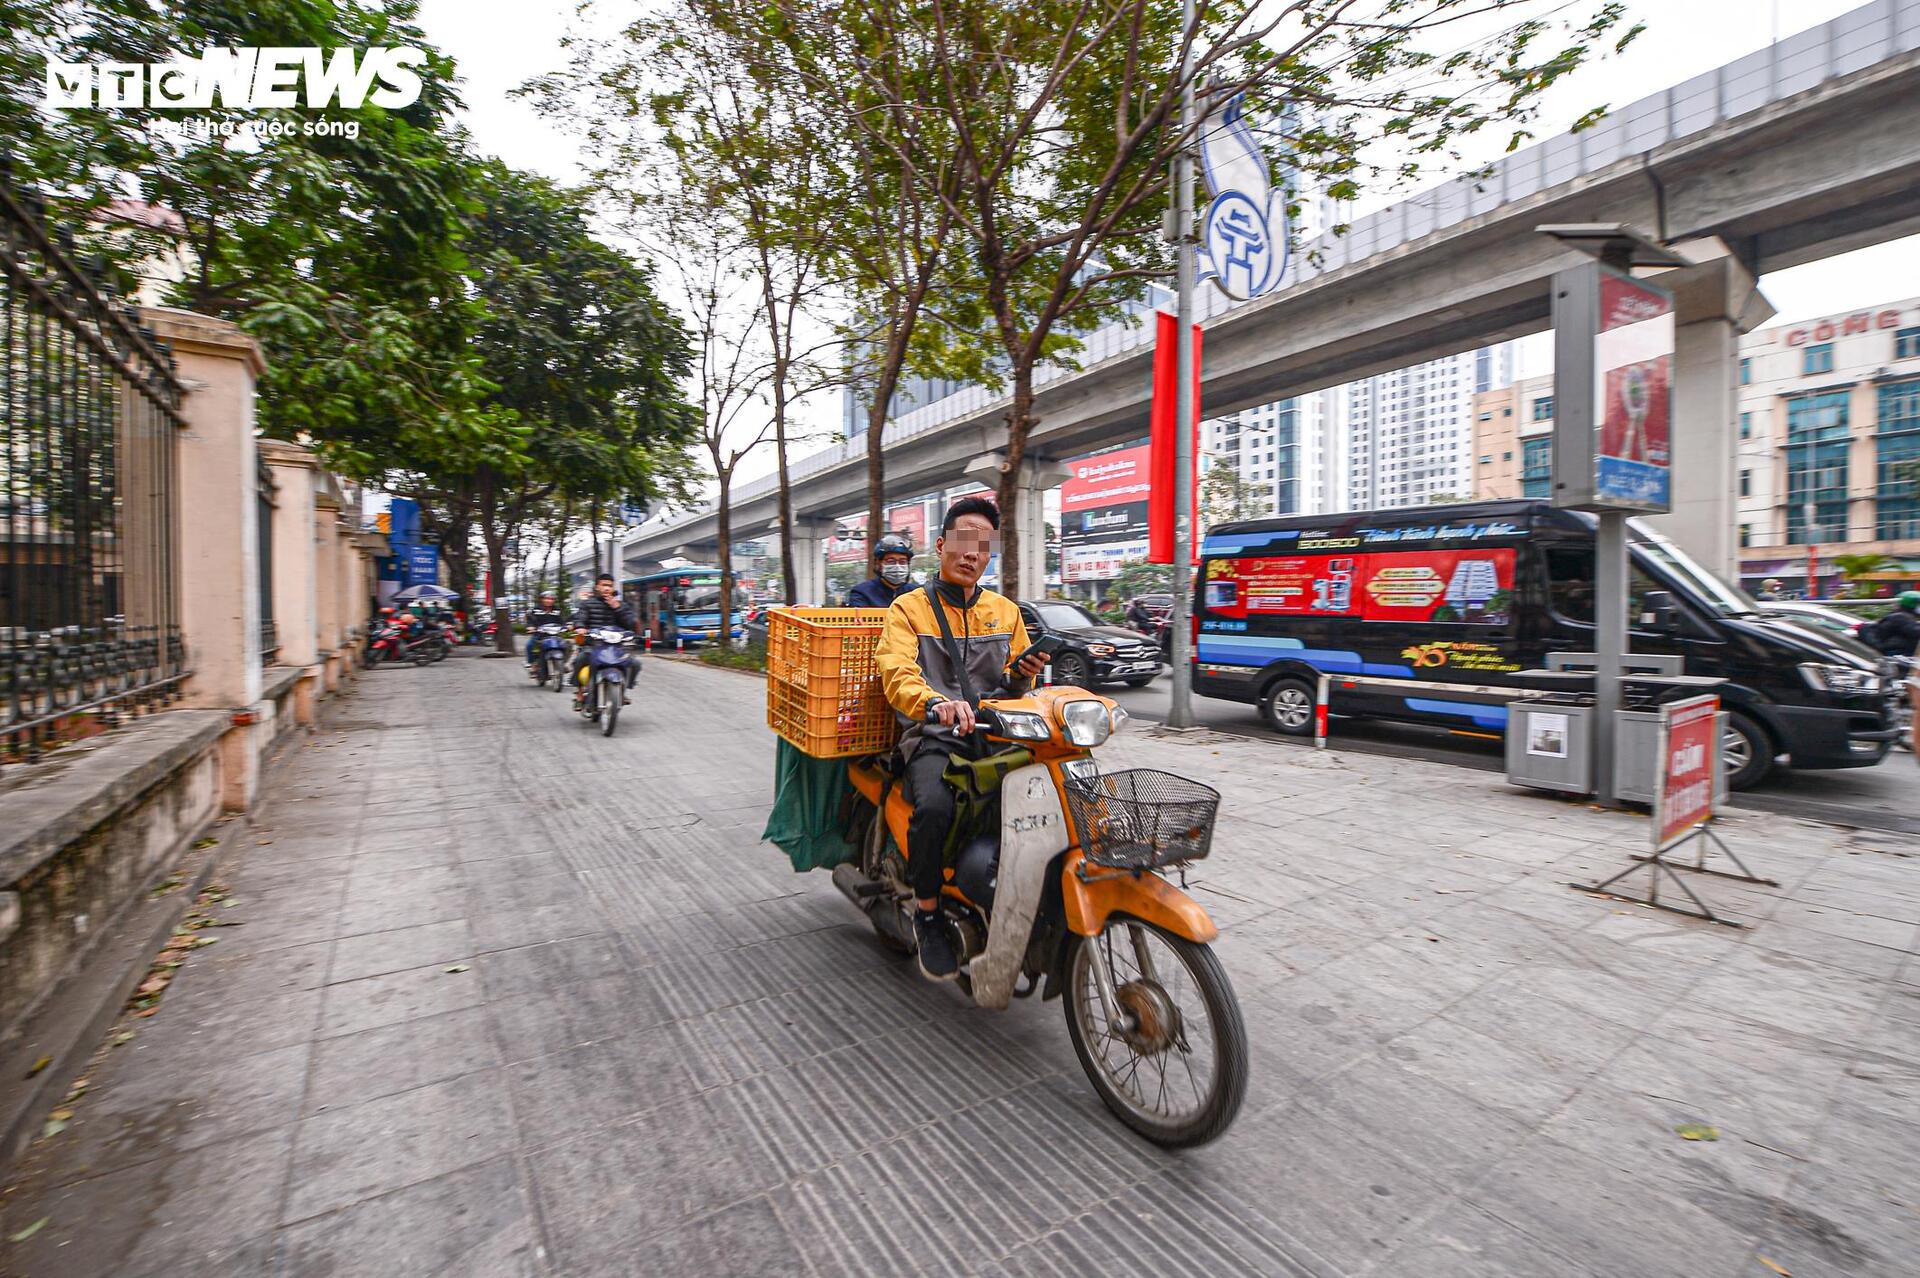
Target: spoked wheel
[
  {"x": 1175, "y": 1067},
  {"x": 614, "y": 693}
]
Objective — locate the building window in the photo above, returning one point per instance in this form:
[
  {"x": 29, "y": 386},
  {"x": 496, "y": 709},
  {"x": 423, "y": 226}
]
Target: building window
[
  {"x": 1536, "y": 467},
  {"x": 1543, "y": 408},
  {"x": 1506, "y": 412},
  {"x": 1897, "y": 461},
  {"x": 1486, "y": 417},
  {"x": 1746, "y": 535},
  {"x": 1746, "y": 483},
  {"x": 1746, "y": 425},
  {"x": 1906, "y": 344},
  {"x": 1746, "y": 371},
  {"x": 1486, "y": 459},
  {"x": 1816, "y": 451},
  {"x": 1507, "y": 456},
  {"x": 1817, "y": 359}
]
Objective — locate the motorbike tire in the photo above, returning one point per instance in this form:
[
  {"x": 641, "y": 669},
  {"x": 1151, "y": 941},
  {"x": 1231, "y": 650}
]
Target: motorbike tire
[
  {"x": 438, "y": 652},
  {"x": 421, "y": 658},
  {"x": 375, "y": 655},
  {"x": 873, "y": 855},
  {"x": 615, "y": 693},
  {"x": 1229, "y": 1035}
]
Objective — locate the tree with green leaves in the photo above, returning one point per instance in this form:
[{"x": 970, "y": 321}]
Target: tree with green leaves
[
  {"x": 1226, "y": 497},
  {"x": 586, "y": 364},
  {"x": 1061, "y": 120}
]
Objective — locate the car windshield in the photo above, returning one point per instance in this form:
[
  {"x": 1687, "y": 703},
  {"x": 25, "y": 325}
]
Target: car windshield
[
  {"x": 1065, "y": 616},
  {"x": 1657, "y": 552}
]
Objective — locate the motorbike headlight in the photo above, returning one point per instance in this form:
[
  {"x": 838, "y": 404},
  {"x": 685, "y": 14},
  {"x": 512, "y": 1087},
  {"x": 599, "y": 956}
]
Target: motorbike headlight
[
  {"x": 1101, "y": 649},
  {"x": 1846, "y": 679},
  {"x": 1024, "y": 725},
  {"x": 1086, "y": 721}
]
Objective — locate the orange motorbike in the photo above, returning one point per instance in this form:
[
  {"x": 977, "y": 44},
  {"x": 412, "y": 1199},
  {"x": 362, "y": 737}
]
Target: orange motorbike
[{"x": 1054, "y": 885}]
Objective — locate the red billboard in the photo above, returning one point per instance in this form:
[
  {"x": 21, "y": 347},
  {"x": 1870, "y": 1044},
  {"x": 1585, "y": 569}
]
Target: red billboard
[
  {"x": 1106, "y": 479},
  {"x": 1434, "y": 587},
  {"x": 1683, "y": 793}
]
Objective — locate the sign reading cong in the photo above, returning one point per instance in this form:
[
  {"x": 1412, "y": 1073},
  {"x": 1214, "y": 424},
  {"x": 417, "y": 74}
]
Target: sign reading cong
[{"x": 1613, "y": 378}]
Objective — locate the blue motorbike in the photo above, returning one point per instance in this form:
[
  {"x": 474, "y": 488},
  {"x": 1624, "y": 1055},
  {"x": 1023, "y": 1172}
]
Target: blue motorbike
[
  {"x": 604, "y": 676},
  {"x": 550, "y": 655}
]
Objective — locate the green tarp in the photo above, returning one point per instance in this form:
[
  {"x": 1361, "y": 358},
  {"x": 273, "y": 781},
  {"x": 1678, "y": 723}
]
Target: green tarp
[{"x": 808, "y": 795}]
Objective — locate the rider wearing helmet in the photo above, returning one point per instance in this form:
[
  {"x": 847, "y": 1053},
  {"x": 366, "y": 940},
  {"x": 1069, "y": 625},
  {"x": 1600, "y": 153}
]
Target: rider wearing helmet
[
  {"x": 1898, "y": 633},
  {"x": 547, "y": 614},
  {"x": 892, "y": 557}
]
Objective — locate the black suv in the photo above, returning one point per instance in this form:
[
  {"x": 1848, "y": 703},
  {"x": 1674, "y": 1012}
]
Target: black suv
[{"x": 1094, "y": 652}]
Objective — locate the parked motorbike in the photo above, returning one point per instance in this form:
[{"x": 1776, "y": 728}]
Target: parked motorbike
[
  {"x": 390, "y": 643},
  {"x": 550, "y": 655},
  {"x": 603, "y": 676},
  {"x": 1056, "y": 886}
]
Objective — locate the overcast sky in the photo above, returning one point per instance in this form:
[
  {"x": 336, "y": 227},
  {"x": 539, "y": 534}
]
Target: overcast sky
[{"x": 500, "y": 43}]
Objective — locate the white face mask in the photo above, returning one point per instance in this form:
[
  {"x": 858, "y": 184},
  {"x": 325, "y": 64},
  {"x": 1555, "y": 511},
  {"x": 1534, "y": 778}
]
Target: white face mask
[{"x": 893, "y": 574}]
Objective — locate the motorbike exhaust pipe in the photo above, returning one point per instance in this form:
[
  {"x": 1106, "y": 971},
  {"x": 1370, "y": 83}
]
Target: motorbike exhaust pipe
[{"x": 875, "y": 900}]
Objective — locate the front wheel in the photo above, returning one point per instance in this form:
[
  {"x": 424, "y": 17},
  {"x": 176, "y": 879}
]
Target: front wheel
[
  {"x": 614, "y": 693},
  {"x": 1070, "y": 670},
  {"x": 1175, "y": 1068}
]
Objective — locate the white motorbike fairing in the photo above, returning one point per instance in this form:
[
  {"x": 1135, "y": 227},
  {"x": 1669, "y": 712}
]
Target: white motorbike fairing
[{"x": 1032, "y": 833}]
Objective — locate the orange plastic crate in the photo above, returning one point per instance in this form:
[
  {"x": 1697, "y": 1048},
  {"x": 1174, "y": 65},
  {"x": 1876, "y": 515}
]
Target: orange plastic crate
[{"x": 823, "y": 688}]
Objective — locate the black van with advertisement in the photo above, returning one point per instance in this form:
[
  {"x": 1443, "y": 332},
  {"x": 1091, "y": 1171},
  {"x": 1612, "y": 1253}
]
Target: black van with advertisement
[{"x": 1477, "y": 592}]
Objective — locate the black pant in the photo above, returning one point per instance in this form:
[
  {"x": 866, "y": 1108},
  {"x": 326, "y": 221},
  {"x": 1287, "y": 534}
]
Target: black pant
[{"x": 932, "y": 817}]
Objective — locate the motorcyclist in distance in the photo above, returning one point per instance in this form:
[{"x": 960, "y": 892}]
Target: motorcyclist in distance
[
  {"x": 603, "y": 609},
  {"x": 893, "y": 574}
]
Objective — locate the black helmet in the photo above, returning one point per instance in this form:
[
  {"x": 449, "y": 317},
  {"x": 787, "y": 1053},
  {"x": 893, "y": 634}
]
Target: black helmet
[{"x": 892, "y": 544}]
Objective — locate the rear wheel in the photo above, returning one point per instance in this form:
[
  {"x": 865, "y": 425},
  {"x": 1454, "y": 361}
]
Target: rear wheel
[
  {"x": 1287, "y": 705},
  {"x": 1175, "y": 1067},
  {"x": 1748, "y": 751},
  {"x": 1070, "y": 670}
]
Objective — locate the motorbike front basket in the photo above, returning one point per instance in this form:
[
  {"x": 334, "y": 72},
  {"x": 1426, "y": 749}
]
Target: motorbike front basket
[{"x": 1142, "y": 819}]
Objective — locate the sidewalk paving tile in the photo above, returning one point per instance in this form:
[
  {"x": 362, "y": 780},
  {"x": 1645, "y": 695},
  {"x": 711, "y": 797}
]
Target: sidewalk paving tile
[{"x": 665, "y": 1053}]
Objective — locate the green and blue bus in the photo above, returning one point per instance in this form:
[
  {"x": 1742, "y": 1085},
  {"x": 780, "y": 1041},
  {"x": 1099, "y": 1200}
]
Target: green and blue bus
[{"x": 683, "y": 605}]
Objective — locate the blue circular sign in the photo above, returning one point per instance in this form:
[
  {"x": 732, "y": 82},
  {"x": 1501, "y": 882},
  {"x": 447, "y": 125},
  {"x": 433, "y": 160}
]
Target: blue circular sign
[{"x": 1246, "y": 251}]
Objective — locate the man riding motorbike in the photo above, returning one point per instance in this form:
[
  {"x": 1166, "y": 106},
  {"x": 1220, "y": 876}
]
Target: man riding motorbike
[
  {"x": 602, "y": 608},
  {"x": 1898, "y": 633},
  {"x": 892, "y": 559},
  {"x": 942, "y": 657},
  {"x": 547, "y": 614}
]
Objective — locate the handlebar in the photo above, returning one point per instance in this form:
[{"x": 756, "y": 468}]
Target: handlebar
[{"x": 985, "y": 717}]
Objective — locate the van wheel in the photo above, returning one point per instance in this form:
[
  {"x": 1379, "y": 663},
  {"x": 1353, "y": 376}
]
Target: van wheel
[
  {"x": 1287, "y": 706},
  {"x": 1749, "y": 752}
]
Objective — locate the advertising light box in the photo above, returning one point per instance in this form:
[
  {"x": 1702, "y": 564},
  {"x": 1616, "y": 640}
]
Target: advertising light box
[{"x": 1613, "y": 373}]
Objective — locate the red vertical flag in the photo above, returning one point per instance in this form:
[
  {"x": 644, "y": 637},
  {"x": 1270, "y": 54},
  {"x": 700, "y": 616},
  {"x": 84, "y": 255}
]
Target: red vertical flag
[{"x": 1162, "y": 465}]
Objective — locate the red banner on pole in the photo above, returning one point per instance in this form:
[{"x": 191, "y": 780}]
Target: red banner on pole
[
  {"x": 1163, "y": 464},
  {"x": 1683, "y": 795}
]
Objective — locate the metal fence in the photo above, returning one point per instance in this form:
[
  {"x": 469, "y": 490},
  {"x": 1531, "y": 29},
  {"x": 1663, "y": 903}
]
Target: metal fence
[{"x": 89, "y": 418}]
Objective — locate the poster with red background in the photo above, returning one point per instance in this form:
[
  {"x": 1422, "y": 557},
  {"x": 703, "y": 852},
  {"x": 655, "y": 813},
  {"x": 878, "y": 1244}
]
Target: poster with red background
[
  {"x": 1683, "y": 795},
  {"x": 1471, "y": 587}
]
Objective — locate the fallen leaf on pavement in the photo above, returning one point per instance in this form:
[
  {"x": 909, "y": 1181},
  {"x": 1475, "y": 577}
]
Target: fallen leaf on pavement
[
  {"x": 458, "y": 967},
  {"x": 39, "y": 1065},
  {"x": 30, "y": 1230},
  {"x": 125, "y": 1036},
  {"x": 1784, "y": 1273},
  {"x": 1697, "y": 1131},
  {"x": 53, "y": 1128}
]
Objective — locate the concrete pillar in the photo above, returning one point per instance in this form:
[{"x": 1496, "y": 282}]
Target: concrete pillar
[
  {"x": 218, "y": 532},
  {"x": 809, "y": 568},
  {"x": 1029, "y": 516},
  {"x": 1716, "y": 301},
  {"x": 327, "y": 550}
]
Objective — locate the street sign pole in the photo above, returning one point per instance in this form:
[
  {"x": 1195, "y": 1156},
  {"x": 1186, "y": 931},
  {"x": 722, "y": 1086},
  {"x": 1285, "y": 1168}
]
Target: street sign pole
[{"x": 1180, "y": 709}]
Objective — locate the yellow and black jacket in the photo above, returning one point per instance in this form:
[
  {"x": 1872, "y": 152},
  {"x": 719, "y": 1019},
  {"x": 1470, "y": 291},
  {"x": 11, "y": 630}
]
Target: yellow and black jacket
[{"x": 915, "y": 667}]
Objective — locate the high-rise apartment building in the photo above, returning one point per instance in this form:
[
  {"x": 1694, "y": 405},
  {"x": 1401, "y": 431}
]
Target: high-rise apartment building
[
  {"x": 1827, "y": 447},
  {"x": 1291, "y": 453},
  {"x": 1411, "y": 433}
]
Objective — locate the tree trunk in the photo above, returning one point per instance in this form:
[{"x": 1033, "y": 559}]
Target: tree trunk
[
  {"x": 724, "y": 635},
  {"x": 780, "y": 457},
  {"x": 1019, "y": 422}
]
